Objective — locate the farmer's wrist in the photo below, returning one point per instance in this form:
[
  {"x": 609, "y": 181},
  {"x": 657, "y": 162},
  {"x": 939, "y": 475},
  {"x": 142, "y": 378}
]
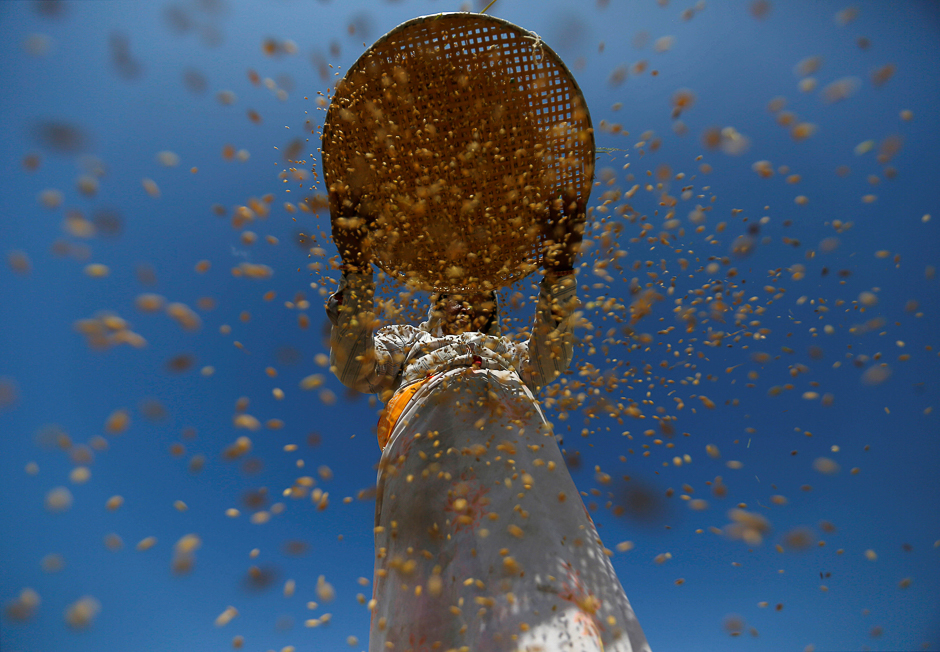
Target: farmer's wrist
[
  {"x": 357, "y": 267},
  {"x": 558, "y": 265}
]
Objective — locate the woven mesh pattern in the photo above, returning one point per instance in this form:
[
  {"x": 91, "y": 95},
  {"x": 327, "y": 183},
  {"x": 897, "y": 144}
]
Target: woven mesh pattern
[{"x": 452, "y": 133}]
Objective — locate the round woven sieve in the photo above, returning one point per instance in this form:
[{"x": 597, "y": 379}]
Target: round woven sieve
[{"x": 451, "y": 135}]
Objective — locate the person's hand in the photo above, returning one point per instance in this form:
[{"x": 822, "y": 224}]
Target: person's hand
[
  {"x": 563, "y": 231},
  {"x": 350, "y": 230}
]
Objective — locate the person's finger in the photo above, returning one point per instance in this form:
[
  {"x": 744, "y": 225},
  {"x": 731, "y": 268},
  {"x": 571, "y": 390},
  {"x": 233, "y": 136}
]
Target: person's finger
[{"x": 571, "y": 200}]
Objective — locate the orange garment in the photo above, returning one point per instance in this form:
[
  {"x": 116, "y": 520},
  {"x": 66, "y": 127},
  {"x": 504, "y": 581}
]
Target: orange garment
[{"x": 393, "y": 410}]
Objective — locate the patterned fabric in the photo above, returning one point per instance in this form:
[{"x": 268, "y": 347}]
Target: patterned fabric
[
  {"x": 482, "y": 540},
  {"x": 401, "y": 355}
]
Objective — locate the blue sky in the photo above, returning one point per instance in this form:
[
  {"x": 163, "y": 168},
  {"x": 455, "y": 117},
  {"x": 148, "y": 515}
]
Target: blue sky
[{"x": 733, "y": 62}]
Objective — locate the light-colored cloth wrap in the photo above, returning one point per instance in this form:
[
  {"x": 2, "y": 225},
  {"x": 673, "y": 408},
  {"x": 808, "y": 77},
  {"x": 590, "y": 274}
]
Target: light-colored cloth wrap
[{"x": 482, "y": 541}]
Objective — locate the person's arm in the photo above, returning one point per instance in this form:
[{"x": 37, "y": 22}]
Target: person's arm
[
  {"x": 551, "y": 345},
  {"x": 548, "y": 352},
  {"x": 359, "y": 359},
  {"x": 562, "y": 233}
]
